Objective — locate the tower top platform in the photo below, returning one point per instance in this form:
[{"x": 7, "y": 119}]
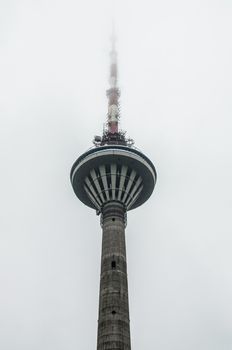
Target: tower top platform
[{"x": 113, "y": 173}]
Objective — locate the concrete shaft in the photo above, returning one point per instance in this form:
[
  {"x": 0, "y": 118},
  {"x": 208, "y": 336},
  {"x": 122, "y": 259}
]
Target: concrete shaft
[{"x": 113, "y": 321}]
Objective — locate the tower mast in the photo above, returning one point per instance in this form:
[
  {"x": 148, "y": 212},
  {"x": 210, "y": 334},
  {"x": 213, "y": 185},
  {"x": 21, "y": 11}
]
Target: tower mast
[
  {"x": 113, "y": 93},
  {"x": 113, "y": 178}
]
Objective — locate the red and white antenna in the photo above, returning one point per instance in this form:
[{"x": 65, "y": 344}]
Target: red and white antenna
[{"x": 113, "y": 93}]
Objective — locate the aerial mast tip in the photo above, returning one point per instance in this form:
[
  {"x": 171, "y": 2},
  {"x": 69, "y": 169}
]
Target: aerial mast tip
[{"x": 113, "y": 92}]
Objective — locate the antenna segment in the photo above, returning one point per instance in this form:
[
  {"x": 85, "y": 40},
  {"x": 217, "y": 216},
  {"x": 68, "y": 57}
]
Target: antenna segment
[
  {"x": 111, "y": 133},
  {"x": 113, "y": 93}
]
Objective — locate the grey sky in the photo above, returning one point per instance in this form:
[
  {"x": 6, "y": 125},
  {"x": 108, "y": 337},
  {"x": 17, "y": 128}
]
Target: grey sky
[{"x": 175, "y": 77}]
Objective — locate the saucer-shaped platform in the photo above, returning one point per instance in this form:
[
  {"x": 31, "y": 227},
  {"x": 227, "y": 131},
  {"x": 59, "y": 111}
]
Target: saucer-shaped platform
[{"x": 113, "y": 172}]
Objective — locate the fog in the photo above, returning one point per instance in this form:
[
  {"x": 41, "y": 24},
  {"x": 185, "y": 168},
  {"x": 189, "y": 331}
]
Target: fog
[{"x": 175, "y": 78}]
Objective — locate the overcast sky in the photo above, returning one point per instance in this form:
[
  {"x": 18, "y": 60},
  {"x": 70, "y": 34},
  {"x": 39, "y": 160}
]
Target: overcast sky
[{"x": 175, "y": 77}]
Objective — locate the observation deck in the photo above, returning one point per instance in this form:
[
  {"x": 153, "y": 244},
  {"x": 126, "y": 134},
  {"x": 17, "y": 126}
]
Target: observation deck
[{"x": 113, "y": 173}]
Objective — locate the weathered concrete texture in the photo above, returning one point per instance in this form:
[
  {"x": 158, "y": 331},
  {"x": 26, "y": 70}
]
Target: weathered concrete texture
[{"x": 113, "y": 322}]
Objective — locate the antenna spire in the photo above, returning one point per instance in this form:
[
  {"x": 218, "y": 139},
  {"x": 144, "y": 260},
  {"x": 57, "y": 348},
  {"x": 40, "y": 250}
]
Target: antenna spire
[
  {"x": 111, "y": 133},
  {"x": 113, "y": 93}
]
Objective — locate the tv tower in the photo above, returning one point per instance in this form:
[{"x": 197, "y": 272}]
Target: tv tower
[{"x": 112, "y": 178}]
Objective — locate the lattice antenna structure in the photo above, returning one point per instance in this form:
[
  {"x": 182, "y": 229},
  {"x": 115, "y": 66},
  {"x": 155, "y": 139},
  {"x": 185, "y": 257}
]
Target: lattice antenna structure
[{"x": 113, "y": 93}]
